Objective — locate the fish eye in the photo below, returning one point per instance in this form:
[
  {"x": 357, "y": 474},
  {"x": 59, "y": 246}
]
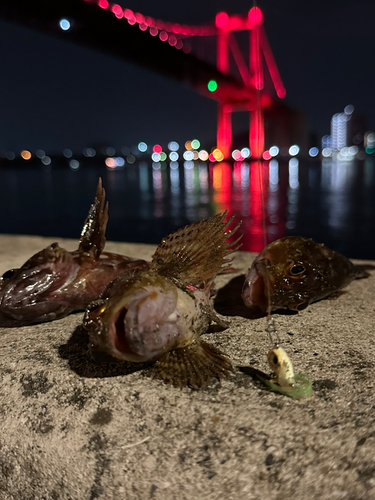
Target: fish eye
[
  {"x": 160, "y": 262},
  {"x": 297, "y": 270},
  {"x": 9, "y": 274}
]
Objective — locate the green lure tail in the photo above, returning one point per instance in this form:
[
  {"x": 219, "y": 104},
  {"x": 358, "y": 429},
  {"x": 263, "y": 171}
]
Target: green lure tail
[{"x": 300, "y": 388}]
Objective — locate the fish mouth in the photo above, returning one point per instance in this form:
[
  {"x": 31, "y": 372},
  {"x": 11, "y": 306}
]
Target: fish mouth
[
  {"x": 117, "y": 332},
  {"x": 117, "y": 336},
  {"x": 256, "y": 291}
]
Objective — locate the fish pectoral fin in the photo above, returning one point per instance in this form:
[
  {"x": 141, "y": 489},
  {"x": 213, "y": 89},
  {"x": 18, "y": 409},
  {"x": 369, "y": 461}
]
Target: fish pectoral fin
[
  {"x": 196, "y": 253},
  {"x": 92, "y": 239},
  {"x": 214, "y": 318},
  {"x": 192, "y": 366}
]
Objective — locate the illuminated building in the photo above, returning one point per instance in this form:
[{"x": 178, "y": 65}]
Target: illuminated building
[{"x": 347, "y": 129}]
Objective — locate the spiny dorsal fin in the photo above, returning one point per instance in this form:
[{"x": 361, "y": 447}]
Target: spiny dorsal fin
[
  {"x": 196, "y": 253},
  {"x": 92, "y": 239}
]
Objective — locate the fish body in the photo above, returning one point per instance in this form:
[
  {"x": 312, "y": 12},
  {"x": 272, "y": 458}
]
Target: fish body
[
  {"x": 292, "y": 272},
  {"x": 55, "y": 282},
  {"x": 158, "y": 314}
]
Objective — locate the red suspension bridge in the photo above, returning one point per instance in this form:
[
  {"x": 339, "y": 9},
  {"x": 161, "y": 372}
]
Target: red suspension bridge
[{"x": 208, "y": 58}]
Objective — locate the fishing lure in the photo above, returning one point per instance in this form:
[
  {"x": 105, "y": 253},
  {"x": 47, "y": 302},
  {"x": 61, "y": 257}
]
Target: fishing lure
[{"x": 284, "y": 381}]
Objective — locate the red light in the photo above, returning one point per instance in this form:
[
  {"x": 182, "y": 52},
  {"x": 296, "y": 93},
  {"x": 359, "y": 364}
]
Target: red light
[
  {"x": 154, "y": 31},
  {"x": 157, "y": 149},
  {"x": 163, "y": 36},
  {"x": 103, "y": 4},
  {"x": 128, "y": 13},
  {"x": 266, "y": 155},
  {"x": 140, "y": 18},
  {"x": 176, "y": 28},
  {"x": 117, "y": 10},
  {"x": 149, "y": 21},
  {"x": 255, "y": 16},
  {"x": 172, "y": 41},
  {"x": 222, "y": 19},
  {"x": 211, "y": 157}
]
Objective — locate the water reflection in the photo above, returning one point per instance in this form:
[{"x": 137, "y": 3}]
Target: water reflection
[{"x": 331, "y": 202}]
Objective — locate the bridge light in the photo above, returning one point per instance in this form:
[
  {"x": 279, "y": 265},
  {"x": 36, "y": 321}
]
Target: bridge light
[
  {"x": 255, "y": 16},
  {"x": 212, "y": 85},
  {"x": 222, "y": 19},
  {"x": 64, "y": 24}
]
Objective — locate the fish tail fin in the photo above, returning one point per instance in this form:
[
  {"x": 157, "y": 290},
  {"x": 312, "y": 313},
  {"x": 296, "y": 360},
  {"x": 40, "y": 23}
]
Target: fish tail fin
[
  {"x": 92, "y": 239},
  {"x": 361, "y": 271},
  {"x": 198, "y": 252},
  {"x": 192, "y": 366}
]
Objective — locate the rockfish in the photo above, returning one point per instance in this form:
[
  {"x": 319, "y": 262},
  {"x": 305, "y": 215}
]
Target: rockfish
[
  {"x": 292, "y": 272},
  {"x": 55, "y": 282},
  {"x": 158, "y": 314}
]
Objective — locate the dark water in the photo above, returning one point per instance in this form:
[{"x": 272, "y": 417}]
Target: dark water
[{"x": 332, "y": 202}]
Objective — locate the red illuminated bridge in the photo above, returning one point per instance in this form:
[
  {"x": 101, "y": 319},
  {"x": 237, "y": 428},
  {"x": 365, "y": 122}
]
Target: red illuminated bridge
[{"x": 184, "y": 53}]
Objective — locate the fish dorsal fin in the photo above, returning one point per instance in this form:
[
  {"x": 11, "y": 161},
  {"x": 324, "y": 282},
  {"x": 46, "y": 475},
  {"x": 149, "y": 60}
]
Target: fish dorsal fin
[
  {"x": 196, "y": 253},
  {"x": 92, "y": 239}
]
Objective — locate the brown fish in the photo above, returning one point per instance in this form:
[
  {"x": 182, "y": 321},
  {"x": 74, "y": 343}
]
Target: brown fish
[
  {"x": 292, "y": 272},
  {"x": 55, "y": 282},
  {"x": 158, "y": 314}
]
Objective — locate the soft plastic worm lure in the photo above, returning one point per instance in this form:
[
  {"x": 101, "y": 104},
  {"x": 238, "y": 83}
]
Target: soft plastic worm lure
[{"x": 297, "y": 386}]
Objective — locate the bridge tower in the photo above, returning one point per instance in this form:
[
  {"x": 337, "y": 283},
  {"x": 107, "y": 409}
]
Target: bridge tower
[{"x": 252, "y": 75}]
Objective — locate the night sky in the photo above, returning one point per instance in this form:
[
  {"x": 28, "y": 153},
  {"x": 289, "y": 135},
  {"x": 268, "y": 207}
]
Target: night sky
[{"x": 56, "y": 94}]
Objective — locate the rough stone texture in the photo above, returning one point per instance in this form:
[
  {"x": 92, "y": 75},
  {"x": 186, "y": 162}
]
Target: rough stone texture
[{"x": 74, "y": 429}]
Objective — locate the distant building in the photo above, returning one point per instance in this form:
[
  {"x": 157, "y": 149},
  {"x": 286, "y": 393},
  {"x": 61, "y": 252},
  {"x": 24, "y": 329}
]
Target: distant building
[{"x": 347, "y": 129}]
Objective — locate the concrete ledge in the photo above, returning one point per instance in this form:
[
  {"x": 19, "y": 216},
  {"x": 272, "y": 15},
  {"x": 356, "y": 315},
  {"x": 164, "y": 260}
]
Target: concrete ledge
[{"x": 72, "y": 429}]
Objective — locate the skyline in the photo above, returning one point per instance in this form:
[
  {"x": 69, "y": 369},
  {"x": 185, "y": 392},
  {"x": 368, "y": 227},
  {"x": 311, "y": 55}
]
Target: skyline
[{"x": 54, "y": 94}]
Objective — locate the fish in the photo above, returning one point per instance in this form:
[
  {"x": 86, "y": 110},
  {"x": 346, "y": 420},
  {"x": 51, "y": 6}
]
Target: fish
[
  {"x": 54, "y": 282},
  {"x": 157, "y": 315},
  {"x": 292, "y": 272}
]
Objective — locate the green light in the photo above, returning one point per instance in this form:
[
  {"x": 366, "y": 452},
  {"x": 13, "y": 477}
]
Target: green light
[
  {"x": 195, "y": 144},
  {"x": 212, "y": 85}
]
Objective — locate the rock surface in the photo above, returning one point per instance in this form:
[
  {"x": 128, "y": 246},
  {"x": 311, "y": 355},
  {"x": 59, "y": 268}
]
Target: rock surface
[{"x": 74, "y": 429}]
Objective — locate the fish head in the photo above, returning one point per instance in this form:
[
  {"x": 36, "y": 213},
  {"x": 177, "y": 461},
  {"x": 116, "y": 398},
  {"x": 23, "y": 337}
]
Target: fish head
[
  {"x": 292, "y": 272},
  {"x": 27, "y": 293},
  {"x": 136, "y": 317}
]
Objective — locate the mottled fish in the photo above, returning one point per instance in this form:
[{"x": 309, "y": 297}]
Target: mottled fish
[
  {"x": 55, "y": 282},
  {"x": 292, "y": 272},
  {"x": 158, "y": 315}
]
